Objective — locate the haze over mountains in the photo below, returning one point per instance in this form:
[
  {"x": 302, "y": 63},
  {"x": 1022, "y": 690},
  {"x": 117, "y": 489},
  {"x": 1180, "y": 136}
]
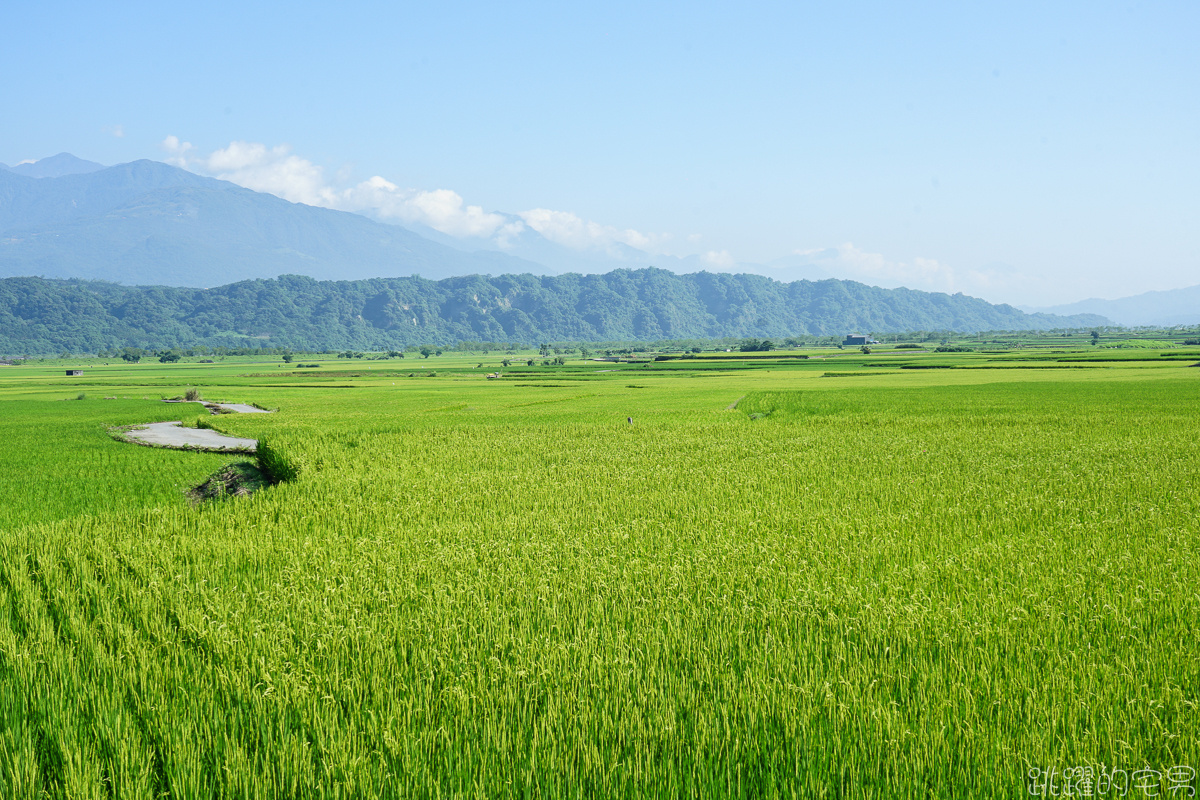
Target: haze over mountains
[
  {"x": 1175, "y": 307},
  {"x": 54, "y": 167},
  {"x": 149, "y": 223},
  {"x": 533, "y": 246}
]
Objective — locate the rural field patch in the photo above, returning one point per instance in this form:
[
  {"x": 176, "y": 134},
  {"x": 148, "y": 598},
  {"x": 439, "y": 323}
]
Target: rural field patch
[{"x": 920, "y": 583}]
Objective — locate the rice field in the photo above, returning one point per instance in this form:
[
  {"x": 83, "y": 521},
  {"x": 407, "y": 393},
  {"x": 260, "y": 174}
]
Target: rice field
[{"x": 888, "y": 582}]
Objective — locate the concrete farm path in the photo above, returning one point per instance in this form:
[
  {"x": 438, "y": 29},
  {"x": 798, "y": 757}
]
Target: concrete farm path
[{"x": 174, "y": 435}]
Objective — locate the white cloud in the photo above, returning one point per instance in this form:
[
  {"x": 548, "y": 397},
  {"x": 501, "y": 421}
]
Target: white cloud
[
  {"x": 507, "y": 232},
  {"x": 176, "y": 151},
  {"x": 273, "y": 170},
  {"x": 571, "y": 230},
  {"x": 115, "y": 130},
  {"x": 441, "y": 209},
  {"x": 276, "y": 170},
  {"x": 926, "y": 274},
  {"x": 875, "y": 268},
  {"x": 718, "y": 259}
]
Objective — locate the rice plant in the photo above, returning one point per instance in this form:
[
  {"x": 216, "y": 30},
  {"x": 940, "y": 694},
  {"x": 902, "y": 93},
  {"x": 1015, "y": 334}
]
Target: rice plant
[{"x": 918, "y": 584}]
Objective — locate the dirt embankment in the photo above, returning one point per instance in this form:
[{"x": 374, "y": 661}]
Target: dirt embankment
[{"x": 233, "y": 480}]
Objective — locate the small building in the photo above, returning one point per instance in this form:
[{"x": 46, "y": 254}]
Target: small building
[
  {"x": 74, "y": 372},
  {"x": 855, "y": 339}
]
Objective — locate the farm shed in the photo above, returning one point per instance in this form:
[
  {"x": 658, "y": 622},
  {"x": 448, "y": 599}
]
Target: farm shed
[{"x": 74, "y": 372}]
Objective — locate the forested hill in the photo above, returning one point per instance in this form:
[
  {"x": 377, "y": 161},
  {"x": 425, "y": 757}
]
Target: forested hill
[{"x": 49, "y": 316}]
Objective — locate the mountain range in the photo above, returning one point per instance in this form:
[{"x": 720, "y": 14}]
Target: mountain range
[
  {"x": 39, "y": 315},
  {"x": 1158, "y": 309},
  {"x": 54, "y": 167},
  {"x": 148, "y": 223},
  {"x": 533, "y": 246},
  {"x": 151, "y": 223}
]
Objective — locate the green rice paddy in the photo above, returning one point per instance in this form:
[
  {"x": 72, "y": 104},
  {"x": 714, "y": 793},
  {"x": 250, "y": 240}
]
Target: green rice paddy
[{"x": 897, "y": 574}]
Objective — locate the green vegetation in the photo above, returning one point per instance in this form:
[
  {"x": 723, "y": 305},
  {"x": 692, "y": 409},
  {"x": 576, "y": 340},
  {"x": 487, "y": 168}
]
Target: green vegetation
[
  {"x": 1143, "y": 344},
  {"x": 59, "y": 461},
  {"x": 721, "y": 576},
  {"x": 295, "y": 314}
]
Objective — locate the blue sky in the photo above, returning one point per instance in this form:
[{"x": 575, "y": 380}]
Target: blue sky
[{"x": 1021, "y": 152}]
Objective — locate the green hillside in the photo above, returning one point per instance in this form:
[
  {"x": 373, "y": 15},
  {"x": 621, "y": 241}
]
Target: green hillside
[{"x": 48, "y": 316}]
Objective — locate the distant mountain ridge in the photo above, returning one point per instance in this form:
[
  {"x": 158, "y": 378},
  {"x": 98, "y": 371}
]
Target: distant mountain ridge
[
  {"x": 533, "y": 246},
  {"x": 150, "y": 223},
  {"x": 1165, "y": 308},
  {"x": 54, "y": 167},
  {"x": 49, "y": 316}
]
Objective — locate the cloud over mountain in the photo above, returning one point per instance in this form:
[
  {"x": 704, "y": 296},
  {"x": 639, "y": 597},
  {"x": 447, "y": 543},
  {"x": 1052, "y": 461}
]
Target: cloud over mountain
[
  {"x": 570, "y": 230},
  {"x": 148, "y": 222},
  {"x": 278, "y": 171},
  {"x": 928, "y": 274},
  {"x": 563, "y": 240}
]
